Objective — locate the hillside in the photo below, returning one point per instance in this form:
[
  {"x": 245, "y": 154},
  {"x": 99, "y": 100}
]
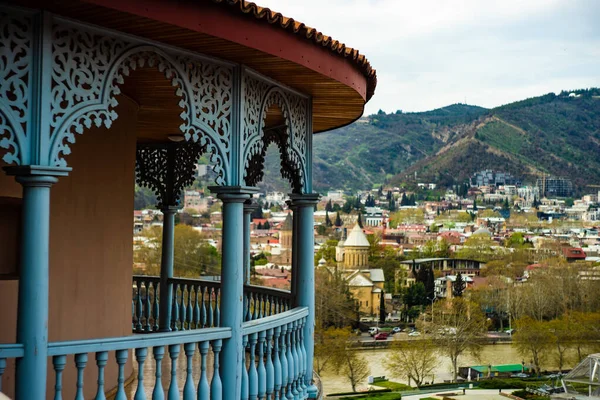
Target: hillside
[
  {"x": 554, "y": 134},
  {"x": 369, "y": 151},
  {"x": 557, "y": 135}
]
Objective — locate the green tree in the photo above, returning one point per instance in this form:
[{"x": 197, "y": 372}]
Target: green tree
[
  {"x": 266, "y": 225},
  {"x": 193, "y": 255},
  {"x": 328, "y": 222},
  {"x": 459, "y": 285},
  {"x": 338, "y": 220},
  {"x": 415, "y": 295},
  {"x": 329, "y": 206}
]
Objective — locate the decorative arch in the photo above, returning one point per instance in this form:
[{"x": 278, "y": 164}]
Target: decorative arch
[
  {"x": 88, "y": 69},
  {"x": 292, "y": 166}
]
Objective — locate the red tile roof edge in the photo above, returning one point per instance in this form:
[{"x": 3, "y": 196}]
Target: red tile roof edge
[{"x": 289, "y": 24}]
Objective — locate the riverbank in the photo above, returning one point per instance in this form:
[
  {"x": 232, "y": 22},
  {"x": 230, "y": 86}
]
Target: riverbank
[{"x": 366, "y": 342}]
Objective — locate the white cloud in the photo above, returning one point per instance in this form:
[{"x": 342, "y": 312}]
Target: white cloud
[{"x": 432, "y": 53}]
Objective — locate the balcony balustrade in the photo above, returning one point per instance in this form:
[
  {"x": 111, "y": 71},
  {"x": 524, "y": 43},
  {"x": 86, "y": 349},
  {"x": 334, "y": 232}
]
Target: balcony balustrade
[
  {"x": 275, "y": 357},
  {"x": 196, "y": 303}
]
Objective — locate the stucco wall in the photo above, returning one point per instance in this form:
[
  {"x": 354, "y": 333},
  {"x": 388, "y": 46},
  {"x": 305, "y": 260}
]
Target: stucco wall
[{"x": 91, "y": 252}]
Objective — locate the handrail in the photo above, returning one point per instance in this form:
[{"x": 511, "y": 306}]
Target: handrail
[
  {"x": 137, "y": 341},
  {"x": 268, "y": 290},
  {"x": 12, "y": 350},
  {"x": 274, "y": 321}
]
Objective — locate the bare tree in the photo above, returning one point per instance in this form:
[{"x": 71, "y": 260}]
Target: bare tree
[
  {"x": 533, "y": 339},
  {"x": 414, "y": 360},
  {"x": 355, "y": 367},
  {"x": 458, "y": 327}
]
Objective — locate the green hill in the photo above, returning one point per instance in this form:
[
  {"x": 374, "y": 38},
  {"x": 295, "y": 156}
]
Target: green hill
[{"x": 555, "y": 134}]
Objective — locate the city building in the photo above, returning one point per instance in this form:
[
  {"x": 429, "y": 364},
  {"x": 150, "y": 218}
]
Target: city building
[
  {"x": 99, "y": 95},
  {"x": 554, "y": 186}
]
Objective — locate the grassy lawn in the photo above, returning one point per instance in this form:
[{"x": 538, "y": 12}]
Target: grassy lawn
[{"x": 395, "y": 386}]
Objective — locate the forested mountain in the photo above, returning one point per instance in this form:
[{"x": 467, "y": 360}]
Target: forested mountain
[{"x": 554, "y": 134}]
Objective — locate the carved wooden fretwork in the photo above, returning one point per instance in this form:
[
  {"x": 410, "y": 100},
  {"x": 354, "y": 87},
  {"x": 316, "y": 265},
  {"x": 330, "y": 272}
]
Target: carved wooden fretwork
[
  {"x": 291, "y": 140},
  {"x": 89, "y": 67},
  {"x": 167, "y": 169},
  {"x": 15, "y": 75}
]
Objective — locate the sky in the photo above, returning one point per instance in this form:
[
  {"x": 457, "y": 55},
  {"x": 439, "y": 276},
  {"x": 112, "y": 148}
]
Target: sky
[{"x": 432, "y": 53}]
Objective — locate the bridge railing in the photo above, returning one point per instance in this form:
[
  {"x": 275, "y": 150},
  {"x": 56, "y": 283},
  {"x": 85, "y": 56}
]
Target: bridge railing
[{"x": 196, "y": 303}]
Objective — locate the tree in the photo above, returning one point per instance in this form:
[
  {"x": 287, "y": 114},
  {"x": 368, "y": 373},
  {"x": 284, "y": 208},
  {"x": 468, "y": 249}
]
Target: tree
[
  {"x": 359, "y": 220},
  {"x": 457, "y": 326},
  {"x": 561, "y": 338},
  {"x": 414, "y": 360},
  {"x": 355, "y": 367},
  {"x": 193, "y": 255},
  {"x": 533, "y": 339},
  {"x": 415, "y": 295},
  {"x": 329, "y": 206},
  {"x": 334, "y": 304},
  {"x": 338, "y": 220},
  {"x": 459, "y": 285},
  {"x": 266, "y": 225},
  {"x": 330, "y": 343},
  {"x": 328, "y": 222},
  {"x": 382, "y": 312}
]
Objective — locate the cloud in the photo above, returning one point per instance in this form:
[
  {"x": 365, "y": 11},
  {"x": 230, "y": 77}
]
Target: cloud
[{"x": 432, "y": 53}]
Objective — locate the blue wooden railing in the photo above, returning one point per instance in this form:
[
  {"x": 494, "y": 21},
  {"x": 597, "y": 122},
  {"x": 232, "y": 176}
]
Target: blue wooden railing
[
  {"x": 196, "y": 303},
  {"x": 275, "y": 358},
  {"x": 274, "y": 364}
]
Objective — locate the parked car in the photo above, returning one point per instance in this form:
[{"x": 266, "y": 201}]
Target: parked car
[
  {"x": 373, "y": 330},
  {"x": 381, "y": 336},
  {"x": 519, "y": 375},
  {"x": 510, "y": 331},
  {"x": 415, "y": 333},
  {"x": 396, "y": 329},
  {"x": 366, "y": 319}
]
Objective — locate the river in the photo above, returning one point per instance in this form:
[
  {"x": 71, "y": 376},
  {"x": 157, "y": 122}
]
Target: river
[{"x": 490, "y": 354}]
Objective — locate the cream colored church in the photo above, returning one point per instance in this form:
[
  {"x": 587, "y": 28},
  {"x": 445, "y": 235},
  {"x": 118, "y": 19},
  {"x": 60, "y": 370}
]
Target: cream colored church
[{"x": 365, "y": 284}]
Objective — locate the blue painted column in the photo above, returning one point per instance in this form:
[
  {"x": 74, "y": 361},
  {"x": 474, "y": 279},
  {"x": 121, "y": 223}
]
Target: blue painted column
[
  {"x": 32, "y": 322},
  {"x": 166, "y": 269},
  {"x": 232, "y": 284},
  {"x": 294, "y": 282},
  {"x": 303, "y": 205},
  {"x": 249, "y": 207}
]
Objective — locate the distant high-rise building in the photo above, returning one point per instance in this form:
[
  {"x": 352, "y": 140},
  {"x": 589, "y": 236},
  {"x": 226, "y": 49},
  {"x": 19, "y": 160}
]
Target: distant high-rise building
[
  {"x": 554, "y": 186},
  {"x": 489, "y": 177}
]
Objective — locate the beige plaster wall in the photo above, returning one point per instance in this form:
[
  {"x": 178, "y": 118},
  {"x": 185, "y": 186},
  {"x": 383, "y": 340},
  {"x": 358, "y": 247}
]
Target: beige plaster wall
[{"x": 91, "y": 251}]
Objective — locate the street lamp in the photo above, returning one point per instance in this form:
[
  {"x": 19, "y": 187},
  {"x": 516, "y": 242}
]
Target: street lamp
[{"x": 432, "y": 299}]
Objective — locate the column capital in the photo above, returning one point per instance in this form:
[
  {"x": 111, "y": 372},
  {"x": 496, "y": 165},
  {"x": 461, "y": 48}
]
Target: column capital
[
  {"x": 36, "y": 175},
  {"x": 233, "y": 194},
  {"x": 250, "y": 206},
  {"x": 304, "y": 199},
  {"x": 169, "y": 209}
]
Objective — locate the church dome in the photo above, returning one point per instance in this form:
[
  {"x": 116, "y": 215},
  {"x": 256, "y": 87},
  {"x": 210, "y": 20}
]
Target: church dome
[
  {"x": 357, "y": 238},
  {"x": 483, "y": 231}
]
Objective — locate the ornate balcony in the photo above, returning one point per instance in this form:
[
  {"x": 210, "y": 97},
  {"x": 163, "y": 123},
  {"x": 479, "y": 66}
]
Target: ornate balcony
[
  {"x": 195, "y": 303},
  {"x": 96, "y": 95}
]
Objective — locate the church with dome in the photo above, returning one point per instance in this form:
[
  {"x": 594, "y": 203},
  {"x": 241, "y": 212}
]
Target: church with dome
[{"x": 352, "y": 260}]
